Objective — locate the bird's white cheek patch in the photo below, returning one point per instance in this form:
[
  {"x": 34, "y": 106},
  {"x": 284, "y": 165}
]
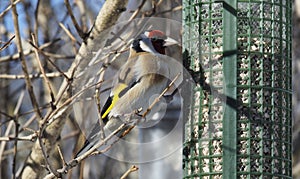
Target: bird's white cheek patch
[{"x": 147, "y": 48}]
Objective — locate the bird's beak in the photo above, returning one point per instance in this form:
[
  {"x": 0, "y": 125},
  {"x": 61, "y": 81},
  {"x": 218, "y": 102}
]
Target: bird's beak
[{"x": 169, "y": 41}]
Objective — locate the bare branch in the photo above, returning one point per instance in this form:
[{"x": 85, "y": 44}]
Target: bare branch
[
  {"x": 6, "y": 115},
  {"x": 23, "y": 62},
  {"x": 28, "y": 52},
  {"x": 48, "y": 73},
  {"x": 37, "y": 75},
  {"x": 36, "y": 15},
  {"x": 61, "y": 155},
  {"x": 77, "y": 27},
  {"x": 122, "y": 127},
  {"x": 76, "y": 161},
  {"x": 133, "y": 168},
  {"x": 68, "y": 32},
  {"x": 161, "y": 95},
  {"x": 24, "y": 147},
  {"x": 81, "y": 4},
  {"x": 6, "y": 44},
  {"x": 30, "y": 138},
  {"x": 44, "y": 73},
  {"x": 10, "y": 125},
  {"x": 52, "y": 116},
  {"x": 178, "y": 8},
  {"x": 49, "y": 60},
  {"x": 97, "y": 97},
  {"x": 8, "y": 8},
  {"x": 14, "y": 56},
  {"x": 70, "y": 135},
  {"x": 58, "y": 56},
  {"x": 3, "y": 143},
  {"x": 53, "y": 107},
  {"x": 108, "y": 15},
  {"x": 15, "y": 147},
  {"x": 136, "y": 12}
]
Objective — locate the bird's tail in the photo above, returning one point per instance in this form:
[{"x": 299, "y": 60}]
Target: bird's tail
[
  {"x": 88, "y": 144},
  {"x": 96, "y": 136},
  {"x": 93, "y": 139}
]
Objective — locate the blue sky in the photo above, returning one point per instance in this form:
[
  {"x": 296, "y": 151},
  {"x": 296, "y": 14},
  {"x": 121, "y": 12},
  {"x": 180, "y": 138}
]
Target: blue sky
[{"x": 57, "y": 5}]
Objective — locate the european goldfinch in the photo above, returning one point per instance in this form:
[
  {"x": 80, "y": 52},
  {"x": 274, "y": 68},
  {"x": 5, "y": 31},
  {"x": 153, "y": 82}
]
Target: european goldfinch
[{"x": 144, "y": 76}]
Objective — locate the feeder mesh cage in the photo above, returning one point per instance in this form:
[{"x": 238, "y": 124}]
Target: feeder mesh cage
[{"x": 239, "y": 119}]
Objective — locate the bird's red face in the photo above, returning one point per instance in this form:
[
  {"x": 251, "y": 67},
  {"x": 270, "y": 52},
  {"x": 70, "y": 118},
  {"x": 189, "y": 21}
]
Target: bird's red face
[
  {"x": 155, "y": 34},
  {"x": 158, "y": 40},
  {"x": 154, "y": 41}
]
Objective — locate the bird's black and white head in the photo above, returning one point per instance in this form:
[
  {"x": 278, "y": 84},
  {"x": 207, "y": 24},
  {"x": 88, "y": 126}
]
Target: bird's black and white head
[{"x": 153, "y": 41}]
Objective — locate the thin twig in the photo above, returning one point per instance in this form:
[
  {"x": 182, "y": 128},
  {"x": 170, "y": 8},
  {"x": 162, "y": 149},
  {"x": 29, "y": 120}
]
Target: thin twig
[
  {"x": 15, "y": 146},
  {"x": 23, "y": 62},
  {"x": 6, "y": 115},
  {"x": 178, "y": 8},
  {"x": 9, "y": 7},
  {"x": 3, "y": 143},
  {"x": 55, "y": 114},
  {"x": 36, "y": 75},
  {"x": 10, "y": 124},
  {"x": 133, "y": 168},
  {"x": 136, "y": 12},
  {"x": 68, "y": 102},
  {"x": 159, "y": 2},
  {"x": 83, "y": 11},
  {"x": 73, "y": 39},
  {"x": 107, "y": 148},
  {"x": 49, "y": 60},
  {"x": 78, "y": 28},
  {"x": 161, "y": 95},
  {"x": 34, "y": 40},
  {"x": 28, "y": 52},
  {"x": 28, "y": 122},
  {"x": 67, "y": 32},
  {"x": 70, "y": 135},
  {"x": 125, "y": 26},
  {"x": 24, "y": 147},
  {"x": 7, "y": 43},
  {"x": 59, "y": 56},
  {"x": 16, "y": 56},
  {"x": 29, "y": 86},
  {"x": 36, "y": 14},
  {"x": 55, "y": 66},
  {"x": 97, "y": 96},
  {"x": 30, "y": 138},
  {"x": 64, "y": 93},
  {"x": 76, "y": 161},
  {"x": 61, "y": 155}
]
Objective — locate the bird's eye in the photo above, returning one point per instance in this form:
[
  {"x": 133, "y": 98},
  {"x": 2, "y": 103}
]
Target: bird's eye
[{"x": 157, "y": 40}]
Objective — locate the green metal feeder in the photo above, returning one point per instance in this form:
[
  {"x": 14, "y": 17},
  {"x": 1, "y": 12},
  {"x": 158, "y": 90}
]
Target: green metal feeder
[{"x": 240, "y": 118}]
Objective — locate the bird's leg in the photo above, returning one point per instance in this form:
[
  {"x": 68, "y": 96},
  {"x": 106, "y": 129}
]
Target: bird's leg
[{"x": 138, "y": 112}]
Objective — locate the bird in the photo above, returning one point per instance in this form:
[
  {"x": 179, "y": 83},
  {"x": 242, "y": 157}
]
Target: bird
[{"x": 145, "y": 74}]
